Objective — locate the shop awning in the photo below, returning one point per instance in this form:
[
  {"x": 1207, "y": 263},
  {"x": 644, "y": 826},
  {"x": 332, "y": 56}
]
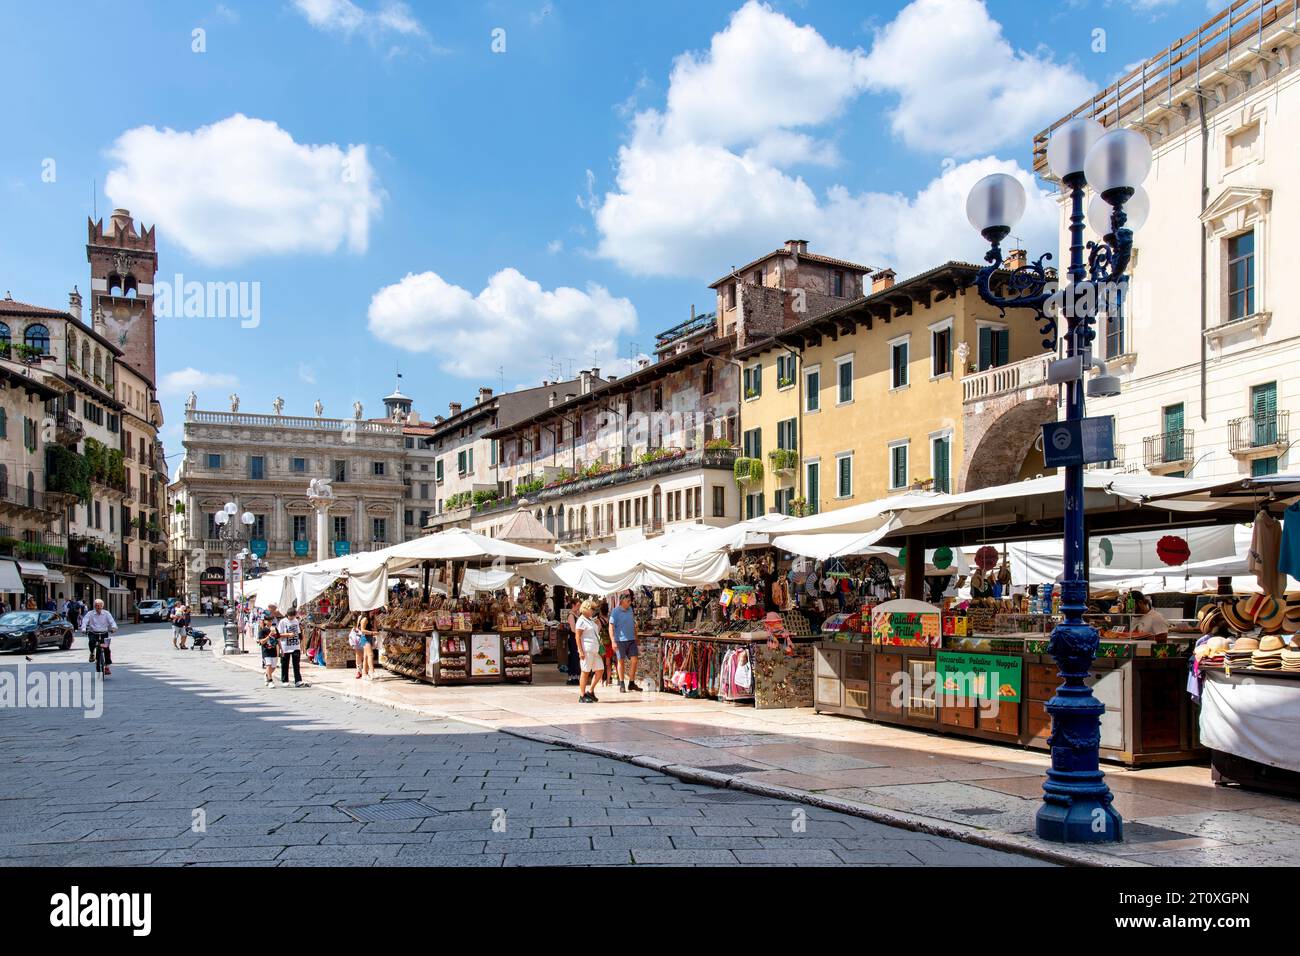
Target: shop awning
[
  {"x": 33, "y": 569},
  {"x": 54, "y": 577},
  {"x": 102, "y": 581},
  {"x": 10, "y": 581},
  {"x": 117, "y": 590}
]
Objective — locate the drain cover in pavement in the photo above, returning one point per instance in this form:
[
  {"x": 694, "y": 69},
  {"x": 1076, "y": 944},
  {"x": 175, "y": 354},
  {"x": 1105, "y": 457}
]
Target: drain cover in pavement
[
  {"x": 390, "y": 810},
  {"x": 1146, "y": 833},
  {"x": 976, "y": 811},
  {"x": 733, "y": 768}
]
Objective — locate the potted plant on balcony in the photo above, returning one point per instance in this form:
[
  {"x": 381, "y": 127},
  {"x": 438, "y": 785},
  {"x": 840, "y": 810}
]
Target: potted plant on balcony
[
  {"x": 783, "y": 459},
  {"x": 748, "y": 471}
]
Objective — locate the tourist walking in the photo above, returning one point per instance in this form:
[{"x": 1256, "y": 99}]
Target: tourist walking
[
  {"x": 289, "y": 630},
  {"x": 622, "y": 631},
  {"x": 365, "y": 649},
  {"x": 574, "y": 655},
  {"x": 268, "y": 641},
  {"x": 587, "y": 635}
]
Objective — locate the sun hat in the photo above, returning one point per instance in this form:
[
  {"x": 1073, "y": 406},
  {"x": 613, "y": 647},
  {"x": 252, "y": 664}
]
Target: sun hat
[
  {"x": 1233, "y": 613},
  {"x": 1245, "y": 644},
  {"x": 1270, "y": 618},
  {"x": 1211, "y": 618},
  {"x": 1271, "y": 643}
]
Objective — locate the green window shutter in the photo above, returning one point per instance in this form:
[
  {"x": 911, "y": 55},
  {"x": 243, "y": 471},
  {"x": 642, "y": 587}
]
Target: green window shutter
[
  {"x": 845, "y": 487},
  {"x": 1003, "y": 339},
  {"x": 986, "y": 347},
  {"x": 941, "y": 452},
  {"x": 1263, "y": 466},
  {"x": 899, "y": 454},
  {"x": 1173, "y": 416},
  {"x": 1263, "y": 406},
  {"x": 813, "y": 492}
]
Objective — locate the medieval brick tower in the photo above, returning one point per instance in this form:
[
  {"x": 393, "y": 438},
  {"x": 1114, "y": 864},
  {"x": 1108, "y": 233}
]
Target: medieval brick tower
[{"x": 123, "y": 263}]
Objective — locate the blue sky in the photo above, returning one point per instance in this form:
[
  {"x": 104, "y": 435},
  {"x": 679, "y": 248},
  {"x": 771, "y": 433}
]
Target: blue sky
[{"x": 402, "y": 193}]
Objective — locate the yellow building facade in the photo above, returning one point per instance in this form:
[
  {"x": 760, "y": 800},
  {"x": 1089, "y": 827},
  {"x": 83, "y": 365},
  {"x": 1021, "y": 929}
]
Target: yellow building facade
[{"x": 875, "y": 398}]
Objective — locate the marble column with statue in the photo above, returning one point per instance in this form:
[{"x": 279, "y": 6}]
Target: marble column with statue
[{"x": 321, "y": 495}]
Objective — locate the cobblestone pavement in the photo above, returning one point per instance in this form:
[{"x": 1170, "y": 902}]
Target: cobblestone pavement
[{"x": 194, "y": 762}]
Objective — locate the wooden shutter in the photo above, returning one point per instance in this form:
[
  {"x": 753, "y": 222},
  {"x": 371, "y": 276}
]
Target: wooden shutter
[{"x": 941, "y": 452}]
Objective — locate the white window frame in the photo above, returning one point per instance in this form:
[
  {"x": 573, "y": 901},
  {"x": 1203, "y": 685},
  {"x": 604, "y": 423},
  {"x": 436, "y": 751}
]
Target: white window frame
[
  {"x": 941, "y": 435},
  {"x": 906, "y": 341},
  {"x": 754, "y": 372},
  {"x": 807, "y": 496},
  {"x": 807, "y": 372},
  {"x": 905, "y": 443},
  {"x": 794, "y": 367},
  {"x": 839, "y": 492},
  {"x": 840, "y": 362},
  {"x": 952, "y": 354}
]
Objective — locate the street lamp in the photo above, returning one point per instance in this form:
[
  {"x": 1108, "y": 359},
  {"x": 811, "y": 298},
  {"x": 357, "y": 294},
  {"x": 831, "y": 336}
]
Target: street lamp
[
  {"x": 1077, "y": 804},
  {"x": 233, "y": 541}
]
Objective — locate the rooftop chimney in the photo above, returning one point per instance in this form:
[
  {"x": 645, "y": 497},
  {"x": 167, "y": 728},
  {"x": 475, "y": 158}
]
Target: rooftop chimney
[
  {"x": 1016, "y": 259},
  {"x": 74, "y": 303},
  {"x": 438, "y": 419},
  {"x": 454, "y": 408},
  {"x": 552, "y": 400},
  {"x": 585, "y": 377},
  {"x": 884, "y": 279},
  {"x": 798, "y": 246},
  {"x": 483, "y": 395},
  {"x": 413, "y": 418}
]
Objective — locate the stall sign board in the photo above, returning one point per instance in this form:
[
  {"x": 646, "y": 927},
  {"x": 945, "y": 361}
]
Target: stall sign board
[
  {"x": 258, "y": 547},
  {"x": 485, "y": 655},
  {"x": 1082, "y": 442},
  {"x": 300, "y": 549},
  {"x": 980, "y": 676},
  {"x": 906, "y": 628},
  {"x": 342, "y": 547}
]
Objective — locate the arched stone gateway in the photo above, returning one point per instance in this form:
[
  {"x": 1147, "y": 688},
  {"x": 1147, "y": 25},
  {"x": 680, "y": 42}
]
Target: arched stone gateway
[{"x": 1000, "y": 436}]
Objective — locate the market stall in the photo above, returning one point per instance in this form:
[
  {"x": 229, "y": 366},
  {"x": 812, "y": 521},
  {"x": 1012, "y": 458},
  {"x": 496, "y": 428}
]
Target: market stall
[{"x": 981, "y": 668}]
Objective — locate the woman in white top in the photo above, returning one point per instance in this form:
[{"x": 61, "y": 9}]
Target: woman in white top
[{"x": 587, "y": 635}]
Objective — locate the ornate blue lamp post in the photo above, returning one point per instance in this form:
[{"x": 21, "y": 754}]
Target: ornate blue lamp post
[{"x": 1076, "y": 801}]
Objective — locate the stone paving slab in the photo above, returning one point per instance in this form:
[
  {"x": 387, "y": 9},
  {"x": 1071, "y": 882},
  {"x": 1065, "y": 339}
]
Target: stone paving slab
[
  {"x": 253, "y": 777},
  {"x": 892, "y": 774}
]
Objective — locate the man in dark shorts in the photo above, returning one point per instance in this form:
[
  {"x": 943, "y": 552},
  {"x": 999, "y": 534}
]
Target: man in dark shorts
[{"x": 622, "y": 629}]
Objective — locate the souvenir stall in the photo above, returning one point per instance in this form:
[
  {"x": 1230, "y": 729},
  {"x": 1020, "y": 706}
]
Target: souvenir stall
[
  {"x": 476, "y": 632},
  {"x": 980, "y": 667},
  {"x": 471, "y": 640},
  {"x": 733, "y": 644}
]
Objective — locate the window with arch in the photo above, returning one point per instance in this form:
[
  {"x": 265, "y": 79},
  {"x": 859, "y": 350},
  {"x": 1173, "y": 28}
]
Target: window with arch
[
  {"x": 85, "y": 357},
  {"x": 4, "y": 481},
  {"x": 37, "y": 336},
  {"x": 72, "y": 348},
  {"x": 4, "y": 336},
  {"x": 99, "y": 364}
]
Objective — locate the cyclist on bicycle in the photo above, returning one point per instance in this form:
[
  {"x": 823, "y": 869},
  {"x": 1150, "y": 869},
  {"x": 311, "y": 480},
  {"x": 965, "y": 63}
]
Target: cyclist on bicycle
[{"x": 99, "y": 627}]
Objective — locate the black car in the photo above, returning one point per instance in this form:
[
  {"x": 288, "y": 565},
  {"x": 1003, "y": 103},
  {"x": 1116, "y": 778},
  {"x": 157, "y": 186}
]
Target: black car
[{"x": 30, "y": 630}]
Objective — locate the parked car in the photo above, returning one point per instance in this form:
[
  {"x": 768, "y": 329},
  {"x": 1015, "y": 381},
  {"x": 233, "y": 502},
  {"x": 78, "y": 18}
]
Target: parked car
[
  {"x": 151, "y": 611},
  {"x": 29, "y": 630}
]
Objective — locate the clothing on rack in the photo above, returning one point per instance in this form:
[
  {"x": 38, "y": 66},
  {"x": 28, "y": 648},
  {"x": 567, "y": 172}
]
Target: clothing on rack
[
  {"x": 1289, "y": 549},
  {"x": 1263, "y": 557}
]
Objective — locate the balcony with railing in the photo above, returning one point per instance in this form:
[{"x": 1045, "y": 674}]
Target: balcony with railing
[
  {"x": 1259, "y": 436},
  {"x": 47, "y": 547},
  {"x": 1168, "y": 450},
  {"x": 19, "y": 499},
  {"x": 1002, "y": 379},
  {"x": 1119, "y": 461}
]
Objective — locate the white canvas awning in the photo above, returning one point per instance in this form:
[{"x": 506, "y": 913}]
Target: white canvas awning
[
  {"x": 33, "y": 569},
  {"x": 10, "y": 580}
]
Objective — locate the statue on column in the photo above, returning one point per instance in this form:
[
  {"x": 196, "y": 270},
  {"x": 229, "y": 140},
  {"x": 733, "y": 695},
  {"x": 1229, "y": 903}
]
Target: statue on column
[
  {"x": 320, "y": 492},
  {"x": 192, "y": 402},
  {"x": 356, "y": 410},
  {"x": 234, "y": 402},
  {"x": 320, "y": 408}
]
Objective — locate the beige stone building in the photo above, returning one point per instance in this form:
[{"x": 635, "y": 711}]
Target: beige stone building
[
  {"x": 263, "y": 463},
  {"x": 1211, "y": 336}
]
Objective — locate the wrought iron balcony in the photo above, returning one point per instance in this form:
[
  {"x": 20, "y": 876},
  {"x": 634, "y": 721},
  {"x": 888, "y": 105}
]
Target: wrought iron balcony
[
  {"x": 1261, "y": 434},
  {"x": 1169, "y": 448}
]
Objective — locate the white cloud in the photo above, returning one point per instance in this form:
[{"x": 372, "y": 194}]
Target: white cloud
[
  {"x": 188, "y": 379},
  {"x": 242, "y": 188},
  {"x": 346, "y": 17},
  {"x": 306, "y": 373},
  {"x": 555, "y": 246},
  {"x": 701, "y": 184},
  {"x": 963, "y": 89},
  {"x": 513, "y": 322}
]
